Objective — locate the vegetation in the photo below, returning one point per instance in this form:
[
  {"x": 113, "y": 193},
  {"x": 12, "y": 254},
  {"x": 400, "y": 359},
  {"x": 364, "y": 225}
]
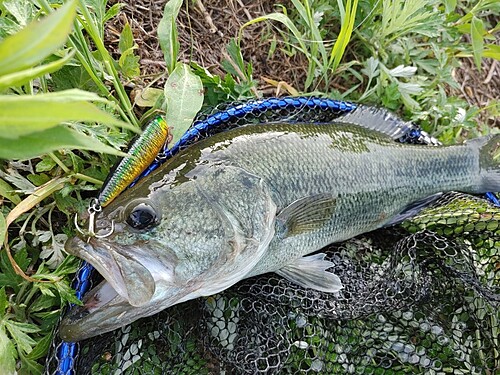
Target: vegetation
[{"x": 66, "y": 112}]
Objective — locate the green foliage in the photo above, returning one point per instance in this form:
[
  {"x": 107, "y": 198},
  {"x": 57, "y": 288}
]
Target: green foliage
[
  {"x": 129, "y": 63},
  {"x": 167, "y": 33},
  {"x": 184, "y": 98},
  {"x": 309, "y": 40},
  {"x": 26, "y": 118}
]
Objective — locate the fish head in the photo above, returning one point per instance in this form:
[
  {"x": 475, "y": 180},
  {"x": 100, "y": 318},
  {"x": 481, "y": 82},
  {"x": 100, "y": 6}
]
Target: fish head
[{"x": 169, "y": 243}]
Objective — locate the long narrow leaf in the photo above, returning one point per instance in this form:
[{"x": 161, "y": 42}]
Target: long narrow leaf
[
  {"x": 344, "y": 35},
  {"x": 476, "y": 32},
  {"x": 24, "y": 76},
  {"x": 167, "y": 33},
  {"x": 59, "y": 137},
  {"x": 26, "y": 114},
  {"x": 36, "y": 41}
]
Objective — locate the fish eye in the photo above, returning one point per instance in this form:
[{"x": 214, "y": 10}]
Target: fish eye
[{"x": 142, "y": 216}]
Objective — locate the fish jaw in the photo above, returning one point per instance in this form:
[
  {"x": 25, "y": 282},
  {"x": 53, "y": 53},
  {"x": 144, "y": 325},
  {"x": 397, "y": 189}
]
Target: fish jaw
[
  {"x": 128, "y": 277},
  {"x": 130, "y": 290}
]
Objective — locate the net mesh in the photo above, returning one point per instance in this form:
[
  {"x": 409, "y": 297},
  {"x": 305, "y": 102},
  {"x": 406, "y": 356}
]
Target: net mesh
[{"x": 421, "y": 297}]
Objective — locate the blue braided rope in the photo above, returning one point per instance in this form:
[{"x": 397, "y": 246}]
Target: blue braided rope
[
  {"x": 67, "y": 352},
  {"x": 493, "y": 199}
]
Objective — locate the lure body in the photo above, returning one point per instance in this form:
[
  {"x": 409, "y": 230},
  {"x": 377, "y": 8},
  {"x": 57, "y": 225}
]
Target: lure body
[{"x": 142, "y": 153}]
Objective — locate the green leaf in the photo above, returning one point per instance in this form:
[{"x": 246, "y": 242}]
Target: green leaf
[
  {"x": 26, "y": 114},
  {"x": 477, "y": 32},
  {"x": 22, "y": 11},
  {"x": 19, "y": 332},
  {"x": 167, "y": 33},
  {"x": 4, "y": 303},
  {"x": 24, "y": 76},
  {"x": 7, "y": 354},
  {"x": 29, "y": 366},
  {"x": 450, "y": 5},
  {"x": 8, "y": 276},
  {"x": 184, "y": 98},
  {"x": 129, "y": 63},
  {"x": 148, "y": 97},
  {"x": 492, "y": 51},
  {"x": 36, "y": 41},
  {"x": 8, "y": 27},
  {"x": 3, "y": 229},
  {"x": 59, "y": 137},
  {"x": 112, "y": 11},
  {"x": 41, "y": 348},
  {"x": 71, "y": 77},
  {"x": 7, "y": 191},
  {"x": 45, "y": 165},
  {"x": 126, "y": 39}
]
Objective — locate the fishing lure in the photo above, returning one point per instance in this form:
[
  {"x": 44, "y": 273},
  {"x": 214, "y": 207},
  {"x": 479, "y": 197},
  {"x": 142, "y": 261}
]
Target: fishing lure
[{"x": 143, "y": 152}]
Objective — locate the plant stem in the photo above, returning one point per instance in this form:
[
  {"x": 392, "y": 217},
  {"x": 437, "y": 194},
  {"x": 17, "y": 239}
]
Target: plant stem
[
  {"x": 59, "y": 162},
  {"x": 87, "y": 178},
  {"x": 94, "y": 34}
]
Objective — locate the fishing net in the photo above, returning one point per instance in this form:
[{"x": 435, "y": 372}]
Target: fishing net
[{"x": 421, "y": 297}]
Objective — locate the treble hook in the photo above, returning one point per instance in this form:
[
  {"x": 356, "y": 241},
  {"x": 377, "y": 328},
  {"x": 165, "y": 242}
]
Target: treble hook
[{"x": 93, "y": 209}]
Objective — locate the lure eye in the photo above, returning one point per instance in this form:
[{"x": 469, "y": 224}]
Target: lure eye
[{"x": 142, "y": 216}]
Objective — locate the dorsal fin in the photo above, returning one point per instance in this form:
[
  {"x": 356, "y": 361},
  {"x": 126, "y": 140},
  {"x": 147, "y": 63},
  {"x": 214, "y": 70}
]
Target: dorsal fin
[{"x": 377, "y": 119}]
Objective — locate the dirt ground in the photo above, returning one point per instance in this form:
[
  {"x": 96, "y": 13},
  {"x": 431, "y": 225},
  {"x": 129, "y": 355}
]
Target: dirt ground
[{"x": 210, "y": 25}]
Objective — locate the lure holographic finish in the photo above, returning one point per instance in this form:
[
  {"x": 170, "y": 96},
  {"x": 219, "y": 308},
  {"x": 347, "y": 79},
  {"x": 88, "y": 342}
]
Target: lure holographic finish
[{"x": 142, "y": 153}]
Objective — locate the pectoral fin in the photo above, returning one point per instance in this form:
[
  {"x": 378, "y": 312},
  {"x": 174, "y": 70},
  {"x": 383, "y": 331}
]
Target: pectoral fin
[
  {"x": 310, "y": 272},
  {"x": 305, "y": 215}
]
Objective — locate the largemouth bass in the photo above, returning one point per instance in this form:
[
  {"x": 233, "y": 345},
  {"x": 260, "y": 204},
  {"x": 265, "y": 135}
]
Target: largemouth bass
[{"x": 260, "y": 199}]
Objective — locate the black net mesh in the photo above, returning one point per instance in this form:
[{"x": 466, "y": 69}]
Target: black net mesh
[{"x": 418, "y": 298}]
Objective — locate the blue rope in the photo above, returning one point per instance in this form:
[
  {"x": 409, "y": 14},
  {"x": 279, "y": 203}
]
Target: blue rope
[
  {"x": 68, "y": 351},
  {"x": 493, "y": 199}
]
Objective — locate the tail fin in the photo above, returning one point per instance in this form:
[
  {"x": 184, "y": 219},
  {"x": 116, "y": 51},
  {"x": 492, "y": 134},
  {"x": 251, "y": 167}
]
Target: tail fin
[{"x": 489, "y": 162}]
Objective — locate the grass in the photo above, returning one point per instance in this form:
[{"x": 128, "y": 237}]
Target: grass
[{"x": 59, "y": 81}]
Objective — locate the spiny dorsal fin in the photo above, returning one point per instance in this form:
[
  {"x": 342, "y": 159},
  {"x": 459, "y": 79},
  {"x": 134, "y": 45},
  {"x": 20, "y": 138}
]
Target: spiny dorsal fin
[
  {"x": 377, "y": 119},
  {"x": 305, "y": 214}
]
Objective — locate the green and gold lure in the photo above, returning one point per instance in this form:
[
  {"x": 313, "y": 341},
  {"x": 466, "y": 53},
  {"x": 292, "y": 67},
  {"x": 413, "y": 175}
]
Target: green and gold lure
[{"x": 141, "y": 154}]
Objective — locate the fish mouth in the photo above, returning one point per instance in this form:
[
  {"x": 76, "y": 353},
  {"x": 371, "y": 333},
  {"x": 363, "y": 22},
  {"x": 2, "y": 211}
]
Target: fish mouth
[
  {"x": 127, "y": 293},
  {"x": 119, "y": 266},
  {"x": 101, "y": 309}
]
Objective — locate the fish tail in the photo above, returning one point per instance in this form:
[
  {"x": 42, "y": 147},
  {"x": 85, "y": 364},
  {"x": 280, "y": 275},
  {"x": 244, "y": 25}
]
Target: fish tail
[{"x": 489, "y": 162}]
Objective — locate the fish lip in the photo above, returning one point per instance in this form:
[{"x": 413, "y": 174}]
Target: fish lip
[
  {"x": 102, "y": 261},
  {"x": 101, "y": 309}
]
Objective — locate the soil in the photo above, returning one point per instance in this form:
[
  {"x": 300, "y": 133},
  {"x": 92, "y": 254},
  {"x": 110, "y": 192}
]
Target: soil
[{"x": 208, "y": 26}]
